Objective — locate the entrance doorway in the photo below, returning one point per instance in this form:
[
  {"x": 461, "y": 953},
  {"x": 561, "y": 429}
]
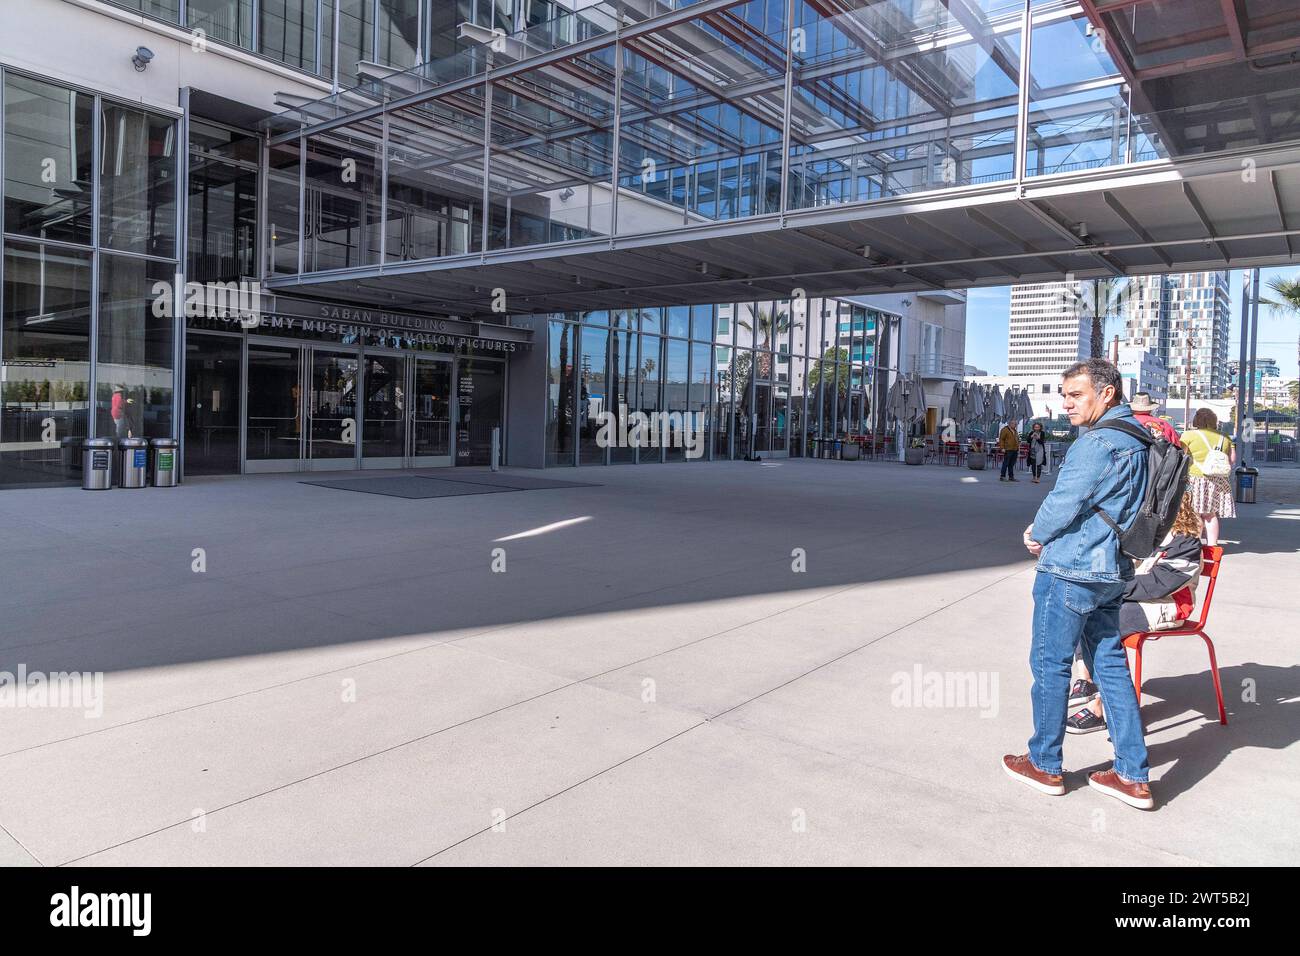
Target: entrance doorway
[
  {"x": 313, "y": 408},
  {"x": 212, "y": 404},
  {"x": 274, "y": 399},
  {"x": 333, "y": 428},
  {"x": 407, "y": 415}
]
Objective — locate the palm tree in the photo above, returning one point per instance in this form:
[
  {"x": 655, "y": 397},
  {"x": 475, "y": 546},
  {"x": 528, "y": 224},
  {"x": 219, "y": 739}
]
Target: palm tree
[
  {"x": 1287, "y": 301},
  {"x": 1098, "y": 300},
  {"x": 770, "y": 324}
]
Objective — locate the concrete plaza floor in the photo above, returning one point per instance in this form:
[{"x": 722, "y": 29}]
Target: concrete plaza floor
[{"x": 651, "y": 680}]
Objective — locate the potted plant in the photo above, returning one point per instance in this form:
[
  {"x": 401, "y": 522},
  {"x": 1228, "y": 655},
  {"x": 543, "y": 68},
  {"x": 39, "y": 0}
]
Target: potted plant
[
  {"x": 915, "y": 455},
  {"x": 976, "y": 456}
]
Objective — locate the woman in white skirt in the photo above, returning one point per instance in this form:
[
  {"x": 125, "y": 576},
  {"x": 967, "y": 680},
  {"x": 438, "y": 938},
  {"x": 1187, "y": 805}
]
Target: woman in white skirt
[{"x": 1209, "y": 479}]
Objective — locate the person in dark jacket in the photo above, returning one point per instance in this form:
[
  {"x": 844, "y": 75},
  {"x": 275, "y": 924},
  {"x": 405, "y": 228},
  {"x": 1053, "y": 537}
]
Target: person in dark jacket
[
  {"x": 1161, "y": 595},
  {"x": 1037, "y": 451}
]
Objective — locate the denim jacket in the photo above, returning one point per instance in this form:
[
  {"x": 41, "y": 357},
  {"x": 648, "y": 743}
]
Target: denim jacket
[{"x": 1104, "y": 467}]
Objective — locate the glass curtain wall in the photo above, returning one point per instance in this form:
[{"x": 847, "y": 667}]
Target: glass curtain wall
[
  {"x": 651, "y": 366},
  {"x": 752, "y": 378},
  {"x": 89, "y": 262}
]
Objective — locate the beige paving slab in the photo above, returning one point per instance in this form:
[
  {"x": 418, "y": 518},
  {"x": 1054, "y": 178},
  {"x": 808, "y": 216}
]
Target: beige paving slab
[
  {"x": 81, "y": 795},
  {"x": 404, "y": 805}
]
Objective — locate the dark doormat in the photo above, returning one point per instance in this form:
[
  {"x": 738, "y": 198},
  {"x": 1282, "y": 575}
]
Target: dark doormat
[
  {"x": 408, "y": 486},
  {"x": 513, "y": 482},
  {"x": 439, "y": 486}
]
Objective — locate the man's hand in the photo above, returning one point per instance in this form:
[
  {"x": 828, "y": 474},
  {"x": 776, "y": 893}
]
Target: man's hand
[{"x": 1031, "y": 545}]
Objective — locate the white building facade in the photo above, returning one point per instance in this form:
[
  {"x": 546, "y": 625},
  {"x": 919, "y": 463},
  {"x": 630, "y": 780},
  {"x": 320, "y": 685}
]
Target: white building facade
[{"x": 1046, "y": 333}]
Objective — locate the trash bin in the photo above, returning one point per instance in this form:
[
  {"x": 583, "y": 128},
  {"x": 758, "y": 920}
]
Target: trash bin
[
  {"x": 133, "y": 462},
  {"x": 1247, "y": 480},
  {"x": 164, "y": 462},
  {"x": 97, "y": 464}
]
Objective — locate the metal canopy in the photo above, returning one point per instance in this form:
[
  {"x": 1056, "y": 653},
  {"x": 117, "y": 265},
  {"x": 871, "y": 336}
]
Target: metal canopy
[
  {"x": 858, "y": 149},
  {"x": 1195, "y": 218}
]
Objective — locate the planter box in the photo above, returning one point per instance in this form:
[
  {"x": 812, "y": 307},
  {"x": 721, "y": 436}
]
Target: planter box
[
  {"x": 977, "y": 460},
  {"x": 851, "y": 451},
  {"x": 914, "y": 456}
]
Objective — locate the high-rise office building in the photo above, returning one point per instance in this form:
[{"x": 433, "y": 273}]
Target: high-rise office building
[
  {"x": 1164, "y": 311},
  {"x": 1046, "y": 334}
]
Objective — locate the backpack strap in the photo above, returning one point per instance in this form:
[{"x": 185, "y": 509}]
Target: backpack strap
[{"x": 1133, "y": 431}]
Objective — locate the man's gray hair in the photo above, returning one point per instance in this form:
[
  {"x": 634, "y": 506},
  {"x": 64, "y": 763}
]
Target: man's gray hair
[{"x": 1100, "y": 372}]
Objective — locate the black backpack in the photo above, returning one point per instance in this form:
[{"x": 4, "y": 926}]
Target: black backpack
[{"x": 1167, "y": 466}]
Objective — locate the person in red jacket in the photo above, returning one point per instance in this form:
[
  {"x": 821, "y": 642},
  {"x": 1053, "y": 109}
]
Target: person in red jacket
[
  {"x": 1144, "y": 410},
  {"x": 1161, "y": 595},
  {"x": 117, "y": 409}
]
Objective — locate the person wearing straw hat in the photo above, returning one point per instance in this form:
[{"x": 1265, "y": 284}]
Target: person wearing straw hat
[{"x": 1144, "y": 410}]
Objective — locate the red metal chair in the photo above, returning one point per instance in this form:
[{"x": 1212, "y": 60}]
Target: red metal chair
[
  {"x": 952, "y": 453},
  {"x": 1211, "y": 559}
]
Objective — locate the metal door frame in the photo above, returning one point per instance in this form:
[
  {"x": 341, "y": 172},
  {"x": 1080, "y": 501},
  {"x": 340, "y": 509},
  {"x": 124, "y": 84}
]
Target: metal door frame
[
  {"x": 272, "y": 465},
  {"x": 432, "y": 461},
  {"x": 408, "y": 378},
  {"x": 241, "y": 389},
  {"x": 308, "y": 369}
]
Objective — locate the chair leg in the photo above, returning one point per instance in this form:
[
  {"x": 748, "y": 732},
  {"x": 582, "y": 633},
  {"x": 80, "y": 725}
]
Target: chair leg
[
  {"x": 1214, "y": 672},
  {"x": 1137, "y": 670}
]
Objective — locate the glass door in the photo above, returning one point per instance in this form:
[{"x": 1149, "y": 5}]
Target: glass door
[
  {"x": 212, "y": 404},
  {"x": 384, "y": 425},
  {"x": 332, "y": 410},
  {"x": 274, "y": 438},
  {"x": 431, "y": 412}
]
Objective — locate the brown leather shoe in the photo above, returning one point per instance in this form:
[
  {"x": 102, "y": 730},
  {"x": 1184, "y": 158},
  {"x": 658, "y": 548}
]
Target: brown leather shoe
[
  {"x": 1112, "y": 784},
  {"x": 1022, "y": 768}
]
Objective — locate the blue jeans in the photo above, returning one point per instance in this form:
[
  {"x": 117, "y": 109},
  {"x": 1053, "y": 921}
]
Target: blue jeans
[
  {"x": 1066, "y": 613},
  {"x": 1009, "y": 463}
]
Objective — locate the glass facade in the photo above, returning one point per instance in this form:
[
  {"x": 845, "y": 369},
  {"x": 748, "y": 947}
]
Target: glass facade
[
  {"x": 763, "y": 109},
  {"x": 90, "y": 262},
  {"x": 302, "y": 33},
  {"x": 751, "y": 379}
]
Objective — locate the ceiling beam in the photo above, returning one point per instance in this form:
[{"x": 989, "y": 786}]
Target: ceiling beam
[
  {"x": 1279, "y": 210},
  {"x": 998, "y": 229},
  {"x": 1197, "y": 208},
  {"x": 1234, "y": 16},
  {"x": 1136, "y": 227}
]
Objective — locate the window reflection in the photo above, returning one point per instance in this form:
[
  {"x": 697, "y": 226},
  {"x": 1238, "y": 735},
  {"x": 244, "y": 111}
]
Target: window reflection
[
  {"x": 48, "y": 150},
  {"x": 138, "y": 182},
  {"x": 287, "y": 31},
  {"x": 44, "y": 393},
  {"x": 134, "y": 366}
]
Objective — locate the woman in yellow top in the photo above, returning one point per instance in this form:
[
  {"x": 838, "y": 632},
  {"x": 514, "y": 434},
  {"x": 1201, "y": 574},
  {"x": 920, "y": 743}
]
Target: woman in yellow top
[{"x": 1211, "y": 494}]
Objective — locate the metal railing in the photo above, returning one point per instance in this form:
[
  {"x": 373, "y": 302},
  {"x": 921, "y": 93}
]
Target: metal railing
[{"x": 936, "y": 365}]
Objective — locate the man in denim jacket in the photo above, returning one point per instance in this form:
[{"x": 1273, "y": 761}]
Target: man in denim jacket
[{"x": 1079, "y": 587}]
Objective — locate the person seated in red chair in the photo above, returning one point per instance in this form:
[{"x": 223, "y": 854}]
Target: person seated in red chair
[{"x": 1161, "y": 596}]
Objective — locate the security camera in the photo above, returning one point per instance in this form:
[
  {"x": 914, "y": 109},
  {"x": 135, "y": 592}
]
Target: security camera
[{"x": 142, "y": 57}]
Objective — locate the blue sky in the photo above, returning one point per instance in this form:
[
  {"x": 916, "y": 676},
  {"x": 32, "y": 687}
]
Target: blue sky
[{"x": 987, "y": 321}]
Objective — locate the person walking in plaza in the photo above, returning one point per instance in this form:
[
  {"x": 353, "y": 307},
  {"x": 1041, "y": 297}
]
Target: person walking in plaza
[
  {"x": 1079, "y": 587},
  {"x": 1213, "y": 457},
  {"x": 1161, "y": 595},
  {"x": 1037, "y": 451},
  {"x": 1009, "y": 442}
]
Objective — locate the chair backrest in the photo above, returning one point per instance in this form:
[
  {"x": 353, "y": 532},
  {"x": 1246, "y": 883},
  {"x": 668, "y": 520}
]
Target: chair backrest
[{"x": 1211, "y": 560}]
